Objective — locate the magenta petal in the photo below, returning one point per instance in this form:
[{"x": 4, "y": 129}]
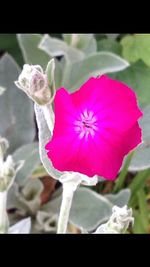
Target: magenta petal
[
  {"x": 64, "y": 113},
  {"x": 114, "y": 102},
  {"x": 95, "y": 127},
  {"x": 111, "y": 150}
]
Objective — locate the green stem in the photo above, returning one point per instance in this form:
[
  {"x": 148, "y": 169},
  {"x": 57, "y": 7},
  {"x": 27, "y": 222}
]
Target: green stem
[
  {"x": 123, "y": 173},
  {"x": 143, "y": 206},
  {"x": 139, "y": 181}
]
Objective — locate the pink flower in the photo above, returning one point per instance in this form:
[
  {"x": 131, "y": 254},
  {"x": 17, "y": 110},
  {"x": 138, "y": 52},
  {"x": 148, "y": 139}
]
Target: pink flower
[{"x": 95, "y": 127}]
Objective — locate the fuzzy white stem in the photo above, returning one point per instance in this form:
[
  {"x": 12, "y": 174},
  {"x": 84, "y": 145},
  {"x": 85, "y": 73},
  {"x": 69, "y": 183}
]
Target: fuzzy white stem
[
  {"x": 3, "y": 213},
  {"x": 65, "y": 209},
  {"x": 1, "y": 161},
  {"x": 75, "y": 39},
  {"x": 49, "y": 116}
]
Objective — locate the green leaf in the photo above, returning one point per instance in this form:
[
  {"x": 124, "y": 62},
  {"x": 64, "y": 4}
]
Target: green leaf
[
  {"x": 67, "y": 38},
  {"x": 139, "y": 181},
  {"x": 99, "y": 36},
  {"x": 89, "y": 209},
  {"x": 31, "y": 53},
  {"x": 55, "y": 47},
  {"x": 135, "y": 47},
  {"x": 137, "y": 76},
  {"x": 109, "y": 45},
  {"x": 96, "y": 64},
  {"x": 138, "y": 227},
  {"x": 143, "y": 206},
  {"x": 30, "y": 154},
  {"x": 10, "y": 45},
  {"x": 141, "y": 157},
  {"x": 112, "y": 36},
  {"x": 16, "y": 110},
  {"x": 121, "y": 178}
]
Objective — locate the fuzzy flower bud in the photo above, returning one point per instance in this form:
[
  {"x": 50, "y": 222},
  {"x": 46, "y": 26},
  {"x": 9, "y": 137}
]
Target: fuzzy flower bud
[
  {"x": 8, "y": 168},
  {"x": 118, "y": 222},
  {"x": 34, "y": 82},
  {"x": 3, "y": 147}
]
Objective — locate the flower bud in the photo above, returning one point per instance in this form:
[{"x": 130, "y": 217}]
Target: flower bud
[
  {"x": 34, "y": 82},
  {"x": 8, "y": 168},
  {"x": 3, "y": 147},
  {"x": 118, "y": 222},
  {"x": 2, "y": 90}
]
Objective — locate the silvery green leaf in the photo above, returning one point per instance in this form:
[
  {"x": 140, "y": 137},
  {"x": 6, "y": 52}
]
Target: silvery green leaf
[
  {"x": 96, "y": 64},
  {"x": 31, "y": 53},
  {"x": 50, "y": 71},
  {"x": 59, "y": 68},
  {"x": 2, "y": 90},
  {"x": 67, "y": 38},
  {"x": 46, "y": 222},
  {"x": 83, "y": 42},
  {"x": 44, "y": 137},
  {"x": 26, "y": 200},
  {"x": 57, "y": 193},
  {"x": 16, "y": 110},
  {"x": 12, "y": 200},
  {"x": 30, "y": 155},
  {"x": 121, "y": 199},
  {"x": 30, "y": 196},
  {"x": 110, "y": 46},
  {"x": 141, "y": 157},
  {"x": 22, "y": 227},
  {"x": 88, "y": 210},
  {"x": 112, "y": 36},
  {"x": 55, "y": 48},
  {"x": 4, "y": 145}
]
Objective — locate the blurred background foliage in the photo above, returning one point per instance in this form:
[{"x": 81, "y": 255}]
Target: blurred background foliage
[{"x": 125, "y": 57}]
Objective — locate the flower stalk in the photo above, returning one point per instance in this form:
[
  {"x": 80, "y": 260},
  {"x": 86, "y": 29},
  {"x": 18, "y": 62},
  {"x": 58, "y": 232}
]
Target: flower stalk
[
  {"x": 4, "y": 223},
  {"x": 70, "y": 182},
  {"x": 67, "y": 197}
]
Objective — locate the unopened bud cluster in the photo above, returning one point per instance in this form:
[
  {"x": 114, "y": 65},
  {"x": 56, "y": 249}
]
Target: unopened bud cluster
[
  {"x": 119, "y": 221},
  {"x": 8, "y": 168},
  {"x": 34, "y": 82}
]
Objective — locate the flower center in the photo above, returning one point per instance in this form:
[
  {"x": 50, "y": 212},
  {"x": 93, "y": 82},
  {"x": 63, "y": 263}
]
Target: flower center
[{"x": 86, "y": 124}]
